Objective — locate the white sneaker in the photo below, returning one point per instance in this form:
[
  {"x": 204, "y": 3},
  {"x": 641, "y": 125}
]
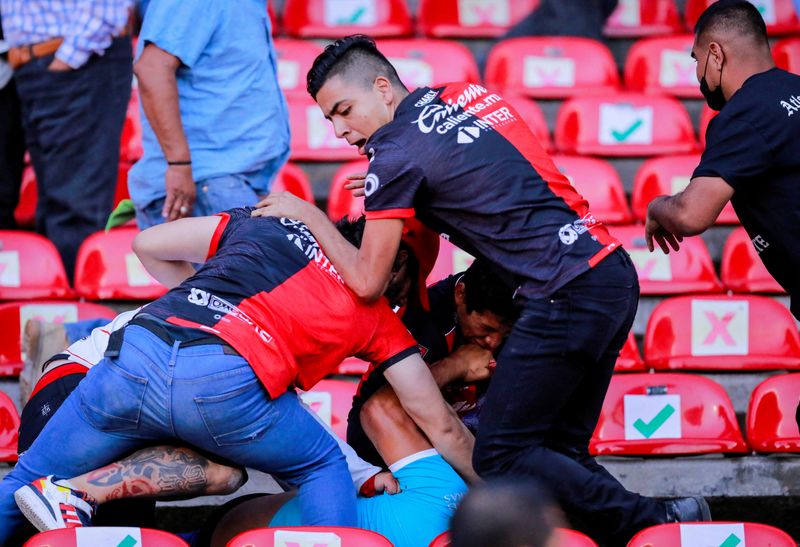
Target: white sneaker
[{"x": 50, "y": 506}]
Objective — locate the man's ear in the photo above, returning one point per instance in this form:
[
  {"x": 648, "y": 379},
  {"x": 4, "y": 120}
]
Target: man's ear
[
  {"x": 717, "y": 55},
  {"x": 461, "y": 294},
  {"x": 385, "y": 88}
]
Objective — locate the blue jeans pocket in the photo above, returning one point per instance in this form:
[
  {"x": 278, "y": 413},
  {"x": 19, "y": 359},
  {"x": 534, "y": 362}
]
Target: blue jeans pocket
[
  {"x": 116, "y": 397},
  {"x": 240, "y": 416}
]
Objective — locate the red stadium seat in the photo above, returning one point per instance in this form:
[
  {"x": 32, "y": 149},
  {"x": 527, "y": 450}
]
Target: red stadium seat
[
  {"x": 666, "y": 414},
  {"x": 471, "y": 18},
  {"x": 318, "y": 536},
  {"x": 629, "y": 359},
  {"x": 341, "y": 202},
  {"x": 30, "y": 267},
  {"x": 689, "y": 270},
  {"x": 551, "y": 67},
  {"x": 625, "y": 124},
  {"x": 442, "y": 540},
  {"x": 421, "y": 62},
  {"x": 273, "y": 19},
  {"x": 295, "y": 58},
  {"x": 9, "y": 427},
  {"x": 14, "y": 315},
  {"x": 705, "y": 118},
  {"x": 721, "y": 333},
  {"x": 131, "y": 138},
  {"x": 291, "y": 178},
  {"x": 712, "y": 533},
  {"x": 598, "y": 182},
  {"x": 334, "y": 18},
  {"x": 107, "y": 536},
  {"x": 352, "y": 366},
  {"x": 786, "y": 53},
  {"x": 533, "y": 116},
  {"x": 635, "y": 18},
  {"x": 742, "y": 269},
  {"x": 565, "y": 538},
  {"x": 451, "y": 260},
  {"x": 771, "y": 421},
  {"x": 668, "y": 175},
  {"x": 332, "y": 400},
  {"x": 108, "y": 269},
  {"x": 663, "y": 65},
  {"x": 313, "y": 138},
  {"x": 779, "y": 15}
]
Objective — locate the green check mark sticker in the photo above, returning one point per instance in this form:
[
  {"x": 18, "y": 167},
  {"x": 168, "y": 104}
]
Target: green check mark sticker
[
  {"x": 648, "y": 428},
  {"x": 353, "y": 18},
  {"x": 621, "y": 136},
  {"x": 130, "y": 542},
  {"x": 732, "y": 541}
]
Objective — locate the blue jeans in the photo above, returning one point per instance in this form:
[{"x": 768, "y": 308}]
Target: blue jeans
[{"x": 154, "y": 392}]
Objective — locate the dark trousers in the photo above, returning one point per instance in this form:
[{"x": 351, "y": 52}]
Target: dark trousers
[
  {"x": 12, "y": 152},
  {"x": 565, "y": 18},
  {"x": 545, "y": 398},
  {"x": 73, "y": 122}
]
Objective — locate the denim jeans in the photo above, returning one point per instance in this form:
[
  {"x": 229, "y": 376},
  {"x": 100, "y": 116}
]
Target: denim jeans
[
  {"x": 546, "y": 394},
  {"x": 154, "y": 392}
]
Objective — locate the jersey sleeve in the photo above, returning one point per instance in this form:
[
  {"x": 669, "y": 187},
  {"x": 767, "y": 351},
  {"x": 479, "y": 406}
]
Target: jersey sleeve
[
  {"x": 392, "y": 183},
  {"x": 735, "y": 152},
  {"x": 390, "y": 342},
  {"x": 229, "y": 222}
]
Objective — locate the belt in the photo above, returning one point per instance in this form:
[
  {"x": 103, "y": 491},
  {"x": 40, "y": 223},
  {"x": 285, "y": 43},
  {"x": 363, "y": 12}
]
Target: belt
[
  {"x": 162, "y": 330},
  {"x": 18, "y": 56}
]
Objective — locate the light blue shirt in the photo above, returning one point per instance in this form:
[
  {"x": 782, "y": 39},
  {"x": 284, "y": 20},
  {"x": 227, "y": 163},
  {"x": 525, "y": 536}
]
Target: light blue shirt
[{"x": 234, "y": 114}]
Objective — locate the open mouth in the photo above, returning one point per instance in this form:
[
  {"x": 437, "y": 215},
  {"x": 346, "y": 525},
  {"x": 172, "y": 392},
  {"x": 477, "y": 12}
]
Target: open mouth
[{"x": 360, "y": 145}]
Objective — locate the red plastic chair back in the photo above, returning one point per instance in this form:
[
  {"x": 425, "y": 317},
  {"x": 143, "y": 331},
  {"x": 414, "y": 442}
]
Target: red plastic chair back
[
  {"x": 313, "y": 137},
  {"x": 423, "y": 62},
  {"x": 787, "y": 54},
  {"x": 108, "y": 269},
  {"x": 451, "y": 260},
  {"x": 291, "y": 178},
  {"x": 295, "y": 58},
  {"x": 442, "y": 540},
  {"x": 635, "y": 18},
  {"x": 9, "y": 427},
  {"x": 99, "y": 535},
  {"x": 779, "y": 15},
  {"x": 332, "y": 400},
  {"x": 533, "y": 116},
  {"x": 334, "y": 19},
  {"x": 668, "y": 175},
  {"x": 721, "y": 333},
  {"x": 598, "y": 182},
  {"x": 551, "y": 67},
  {"x": 14, "y": 315},
  {"x": 30, "y": 267},
  {"x": 742, "y": 270},
  {"x": 573, "y": 538},
  {"x": 471, "y": 18},
  {"x": 625, "y": 124},
  {"x": 318, "y": 536},
  {"x": 131, "y": 138},
  {"x": 341, "y": 202},
  {"x": 771, "y": 415},
  {"x": 629, "y": 359},
  {"x": 689, "y": 270},
  {"x": 712, "y": 533},
  {"x": 666, "y": 414},
  {"x": 663, "y": 65}
]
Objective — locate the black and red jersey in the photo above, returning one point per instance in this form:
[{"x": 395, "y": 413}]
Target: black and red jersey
[
  {"x": 463, "y": 161},
  {"x": 270, "y": 292}
]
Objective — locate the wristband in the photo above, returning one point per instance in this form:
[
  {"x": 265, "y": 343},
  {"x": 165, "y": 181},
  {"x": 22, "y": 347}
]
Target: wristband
[
  {"x": 368, "y": 488},
  {"x": 179, "y": 162}
]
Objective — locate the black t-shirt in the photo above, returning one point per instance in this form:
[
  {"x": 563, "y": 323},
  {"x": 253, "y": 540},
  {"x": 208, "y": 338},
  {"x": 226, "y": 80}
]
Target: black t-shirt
[{"x": 754, "y": 145}]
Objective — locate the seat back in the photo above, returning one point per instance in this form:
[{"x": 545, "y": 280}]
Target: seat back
[
  {"x": 635, "y": 18},
  {"x": 105, "y": 536},
  {"x": 598, "y": 182},
  {"x": 779, "y": 15},
  {"x": 341, "y": 202},
  {"x": 772, "y": 415},
  {"x": 334, "y": 19},
  {"x": 624, "y": 124},
  {"x": 451, "y": 260},
  {"x": 573, "y": 538},
  {"x": 291, "y": 178},
  {"x": 663, "y": 65},
  {"x": 742, "y": 270},
  {"x": 14, "y": 315},
  {"x": 668, "y": 175},
  {"x": 331, "y": 400},
  {"x": 706, "y": 115},
  {"x": 313, "y": 137},
  {"x": 786, "y": 53},
  {"x": 471, "y": 18},
  {"x": 108, "y": 269},
  {"x": 9, "y": 428},
  {"x": 30, "y": 267},
  {"x": 318, "y": 536},
  {"x": 712, "y": 533},
  {"x": 551, "y": 67},
  {"x": 629, "y": 359},
  {"x": 721, "y": 333},
  {"x": 423, "y": 62},
  {"x": 295, "y": 58},
  {"x": 688, "y": 271},
  {"x": 664, "y": 414}
]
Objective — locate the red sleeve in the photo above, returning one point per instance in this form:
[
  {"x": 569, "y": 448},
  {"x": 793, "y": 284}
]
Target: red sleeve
[{"x": 390, "y": 342}]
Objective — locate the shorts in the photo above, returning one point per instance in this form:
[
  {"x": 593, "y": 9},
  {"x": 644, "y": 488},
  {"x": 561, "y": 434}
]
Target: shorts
[{"x": 430, "y": 492}]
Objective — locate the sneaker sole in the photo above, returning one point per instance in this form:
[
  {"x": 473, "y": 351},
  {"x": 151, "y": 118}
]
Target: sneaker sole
[{"x": 31, "y": 505}]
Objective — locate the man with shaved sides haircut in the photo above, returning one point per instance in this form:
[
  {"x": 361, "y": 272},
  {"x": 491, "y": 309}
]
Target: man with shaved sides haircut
[{"x": 752, "y": 155}]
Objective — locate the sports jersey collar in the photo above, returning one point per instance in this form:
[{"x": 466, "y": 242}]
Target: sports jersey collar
[{"x": 403, "y": 108}]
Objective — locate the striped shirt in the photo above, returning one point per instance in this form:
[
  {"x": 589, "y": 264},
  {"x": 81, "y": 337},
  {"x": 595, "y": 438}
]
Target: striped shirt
[{"x": 87, "y": 26}]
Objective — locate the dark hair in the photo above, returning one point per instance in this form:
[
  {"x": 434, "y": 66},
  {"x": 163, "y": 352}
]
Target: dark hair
[
  {"x": 352, "y": 229},
  {"x": 356, "y": 55},
  {"x": 485, "y": 291},
  {"x": 738, "y": 16},
  {"x": 504, "y": 513}
]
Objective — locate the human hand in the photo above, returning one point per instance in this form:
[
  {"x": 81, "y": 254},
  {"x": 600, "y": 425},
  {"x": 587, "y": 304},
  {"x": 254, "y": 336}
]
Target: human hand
[
  {"x": 57, "y": 65},
  {"x": 283, "y": 204},
  {"x": 654, "y": 231},
  {"x": 356, "y": 183},
  {"x": 379, "y": 483},
  {"x": 475, "y": 362},
  {"x": 181, "y": 192}
]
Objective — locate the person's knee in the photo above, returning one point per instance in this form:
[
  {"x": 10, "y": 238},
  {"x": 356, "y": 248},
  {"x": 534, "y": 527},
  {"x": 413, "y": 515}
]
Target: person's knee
[{"x": 223, "y": 480}]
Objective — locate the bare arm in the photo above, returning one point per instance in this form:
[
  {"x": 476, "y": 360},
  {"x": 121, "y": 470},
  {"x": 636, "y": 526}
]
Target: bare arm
[
  {"x": 158, "y": 88},
  {"x": 167, "y": 251},
  {"x": 468, "y": 363}
]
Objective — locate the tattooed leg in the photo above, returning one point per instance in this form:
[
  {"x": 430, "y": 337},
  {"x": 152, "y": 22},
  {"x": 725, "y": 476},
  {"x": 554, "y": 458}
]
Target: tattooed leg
[{"x": 162, "y": 472}]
